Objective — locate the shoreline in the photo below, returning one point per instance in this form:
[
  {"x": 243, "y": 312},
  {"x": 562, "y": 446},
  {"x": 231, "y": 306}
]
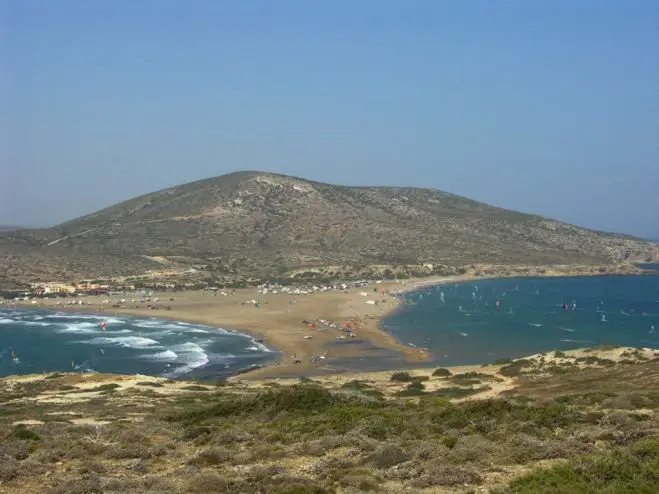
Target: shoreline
[{"x": 278, "y": 323}]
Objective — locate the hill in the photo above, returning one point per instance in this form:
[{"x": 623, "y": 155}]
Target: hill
[
  {"x": 253, "y": 224},
  {"x": 581, "y": 421}
]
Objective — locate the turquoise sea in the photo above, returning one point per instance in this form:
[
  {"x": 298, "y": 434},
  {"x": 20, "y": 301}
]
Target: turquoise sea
[
  {"x": 45, "y": 341},
  {"x": 468, "y": 328}
]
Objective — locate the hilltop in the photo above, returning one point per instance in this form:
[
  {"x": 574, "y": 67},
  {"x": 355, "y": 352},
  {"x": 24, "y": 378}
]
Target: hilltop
[
  {"x": 579, "y": 421},
  {"x": 253, "y": 224}
]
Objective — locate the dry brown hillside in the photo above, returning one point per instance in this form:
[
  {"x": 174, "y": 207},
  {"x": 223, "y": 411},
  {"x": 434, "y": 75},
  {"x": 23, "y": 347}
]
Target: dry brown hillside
[{"x": 253, "y": 223}]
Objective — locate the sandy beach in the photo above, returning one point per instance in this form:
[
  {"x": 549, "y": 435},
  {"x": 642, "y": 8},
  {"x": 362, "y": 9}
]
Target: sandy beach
[
  {"x": 279, "y": 322},
  {"x": 290, "y": 323}
]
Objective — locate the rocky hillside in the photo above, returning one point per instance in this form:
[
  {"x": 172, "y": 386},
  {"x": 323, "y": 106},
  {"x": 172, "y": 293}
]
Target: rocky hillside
[{"x": 253, "y": 223}]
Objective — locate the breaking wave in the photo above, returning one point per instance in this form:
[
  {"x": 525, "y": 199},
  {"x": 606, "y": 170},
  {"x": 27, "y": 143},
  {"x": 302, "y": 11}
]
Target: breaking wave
[
  {"x": 192, "y": 355},
  {"x": 258, "y": 347},
  {"x": 125, "y": 341},
  {"x": 126, "y": 346},
  {"x": 167, "y": 355}
]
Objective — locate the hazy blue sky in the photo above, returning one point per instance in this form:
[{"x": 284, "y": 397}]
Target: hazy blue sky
[{"x": 548, "y": 107}]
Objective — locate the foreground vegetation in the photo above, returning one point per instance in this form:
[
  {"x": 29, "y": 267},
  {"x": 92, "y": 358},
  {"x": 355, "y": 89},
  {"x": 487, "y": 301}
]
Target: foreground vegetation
[{"x": 86, "y": 434}]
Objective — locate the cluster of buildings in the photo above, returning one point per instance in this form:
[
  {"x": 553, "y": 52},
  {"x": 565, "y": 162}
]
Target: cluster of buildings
[
  {"x": 64, "y": 289},
  {"x": 89, "y": 288},
  {"x": 310, "y": 288}
]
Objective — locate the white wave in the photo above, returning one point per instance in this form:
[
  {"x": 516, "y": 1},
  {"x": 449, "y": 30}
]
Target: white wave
[
  {"x": 62, "y": 315},
  {"x": 569, "y": 330},
  {"x": 167, "y": 355},
  {"x": 34, "y": 323},
  {"x": 147, "y": 324},
  {"x": 124, "y": 341},
  {"x": 464, "y": 334},
  {"x": 196, "y": 330},
  {"x": 86, "y": 317},
  {"x": 112, "y": 320},
  {"x": 81, "y": 328},
  {"x": 6, "y": 321},
  {"x": 578, "y": 341},
  {"x": 192, "y": 355},
  {"x": 258, "y": 346},
  {"x": 188, "y": 347},
  {"x": 535, "y": 324},
  {"x": 84, "y": 325},
  {"x": 173, "y": 327}
]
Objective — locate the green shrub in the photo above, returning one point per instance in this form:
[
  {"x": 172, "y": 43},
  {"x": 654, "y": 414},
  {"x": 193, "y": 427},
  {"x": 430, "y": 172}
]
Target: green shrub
[
  {"x": 515, "y": 368},
  {"x": 401, "y": 376},
  {"x": 416, "y": 385},
  {"x": 212, "y": 456},
  {"x": 437, "y": 473},
  {"x": 387, "y": 456},
  {"x": 356, "y": 385},
  {"x": 23, "y": 433},
  {"x": 457, "y": 392},
  {"x": 195, "y": 387},
  {"x": 297, "y": 398},
  {"x": 441, "y": 372},
  {"x": 152, "y": 384},
  {"x": 634, "y": 470}
]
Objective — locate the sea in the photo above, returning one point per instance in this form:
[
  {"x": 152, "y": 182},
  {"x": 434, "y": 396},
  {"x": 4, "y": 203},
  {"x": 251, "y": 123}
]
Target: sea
[
  {"x": 461, "y": 323},
  {"x": 47, "y": 341}
]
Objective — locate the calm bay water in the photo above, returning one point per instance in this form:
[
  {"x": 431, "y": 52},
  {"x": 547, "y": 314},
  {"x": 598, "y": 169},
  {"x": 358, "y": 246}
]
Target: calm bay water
[
  {"x": 44, "y": 341},
  {"x": 467, "y": 328}
]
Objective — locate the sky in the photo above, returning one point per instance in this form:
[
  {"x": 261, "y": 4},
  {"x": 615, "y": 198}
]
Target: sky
[{"x": 544, "y": 107}]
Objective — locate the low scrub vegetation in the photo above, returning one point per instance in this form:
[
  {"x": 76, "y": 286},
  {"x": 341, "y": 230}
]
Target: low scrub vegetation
[
  {"x": 548, "y": 435},
  {"x": 631, "y": 470}
]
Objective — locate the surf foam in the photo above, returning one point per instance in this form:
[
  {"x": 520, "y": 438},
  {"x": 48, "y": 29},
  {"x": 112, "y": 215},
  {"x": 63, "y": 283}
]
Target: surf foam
[
  {"x": 193, "y": 357},
  {"x": 124, "y": 341},
  {"x": 167, "y": 355}
]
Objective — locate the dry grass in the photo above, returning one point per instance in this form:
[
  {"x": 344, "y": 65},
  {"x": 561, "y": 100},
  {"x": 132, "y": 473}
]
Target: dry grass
[{"x": 306, "y": 438}]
